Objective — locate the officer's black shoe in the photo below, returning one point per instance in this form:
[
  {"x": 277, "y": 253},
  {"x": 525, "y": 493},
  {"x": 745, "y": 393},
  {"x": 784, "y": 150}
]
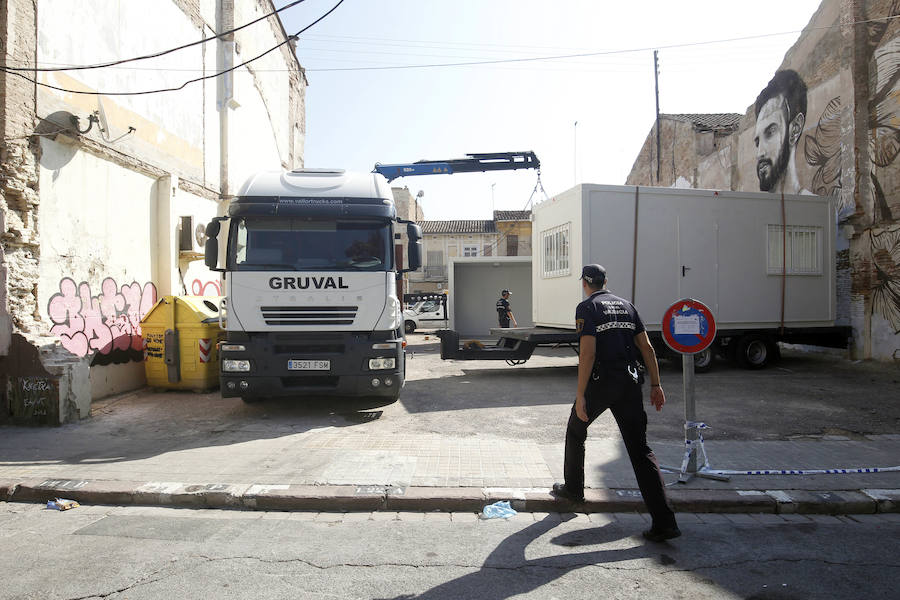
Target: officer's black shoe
[
  {"x": 561, "y": 492},
  {"x": 661, "y": 534}
]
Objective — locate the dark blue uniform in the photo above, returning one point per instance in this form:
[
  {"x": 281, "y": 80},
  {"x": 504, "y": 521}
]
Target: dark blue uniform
[
  {"x": 503, "y": 312},
  {"x": 615, "y": 384},
  {"x": 614, "y": 322}
]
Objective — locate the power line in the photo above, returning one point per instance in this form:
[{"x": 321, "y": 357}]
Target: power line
[
  {"x": 590, "y": 54},
  {"x": 186, "y": 83},
  {"x": 154, "y": 55}
]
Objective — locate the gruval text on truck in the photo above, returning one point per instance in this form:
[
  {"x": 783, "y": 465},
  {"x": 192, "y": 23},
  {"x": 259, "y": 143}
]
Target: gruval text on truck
[{"x": 310, "y": 286}]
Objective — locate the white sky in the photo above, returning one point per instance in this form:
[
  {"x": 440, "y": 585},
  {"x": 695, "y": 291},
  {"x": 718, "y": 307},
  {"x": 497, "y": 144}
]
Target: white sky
[{"x": 357, "y": 118}]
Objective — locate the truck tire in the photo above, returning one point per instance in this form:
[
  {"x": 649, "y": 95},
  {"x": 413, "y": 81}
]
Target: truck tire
[
  {"x": 409, "y": 326},
  {"x": 753, "y": 351}
]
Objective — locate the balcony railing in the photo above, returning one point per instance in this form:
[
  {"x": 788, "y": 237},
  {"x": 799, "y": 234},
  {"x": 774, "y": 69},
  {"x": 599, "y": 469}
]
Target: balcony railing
[{"x": 435, "y": 272}]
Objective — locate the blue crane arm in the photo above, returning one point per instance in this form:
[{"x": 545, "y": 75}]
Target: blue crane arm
[{"x": 497, "y": 161}]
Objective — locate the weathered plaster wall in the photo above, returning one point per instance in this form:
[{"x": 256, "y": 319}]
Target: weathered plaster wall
[
  {"x": 677, "y": 156},
  {"x": 18, "y": 176},
  {"x": 520, "y": 229},
  {"x": 849, "y": 61},
  {"x": 91, "y": 219}
]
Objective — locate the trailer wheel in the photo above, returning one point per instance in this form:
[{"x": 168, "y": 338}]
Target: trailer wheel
[
  {"x": 409, "y": 326},
  {"x": 703, "y": 360},
  {"x": 753, "y": 351}
]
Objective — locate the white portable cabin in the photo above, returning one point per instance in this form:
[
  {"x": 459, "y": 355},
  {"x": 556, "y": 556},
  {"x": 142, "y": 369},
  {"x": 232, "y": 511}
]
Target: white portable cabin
[{"x": 663, "y": 244}]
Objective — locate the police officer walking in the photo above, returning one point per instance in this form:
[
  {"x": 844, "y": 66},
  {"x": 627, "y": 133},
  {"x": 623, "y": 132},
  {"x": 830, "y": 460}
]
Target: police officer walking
[
  {"x": 612, "y": 340},
  {"x": 504, "y": 313}
]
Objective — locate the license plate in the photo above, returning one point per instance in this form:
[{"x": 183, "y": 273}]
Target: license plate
[{"x": 309, "y": 365}]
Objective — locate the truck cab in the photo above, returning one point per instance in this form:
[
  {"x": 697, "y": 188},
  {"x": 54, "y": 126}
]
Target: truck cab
[{"x": 310, "y": 286}]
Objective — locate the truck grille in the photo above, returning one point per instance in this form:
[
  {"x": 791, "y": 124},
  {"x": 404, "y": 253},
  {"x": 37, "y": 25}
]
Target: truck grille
[{"x": 309, "y": 315}]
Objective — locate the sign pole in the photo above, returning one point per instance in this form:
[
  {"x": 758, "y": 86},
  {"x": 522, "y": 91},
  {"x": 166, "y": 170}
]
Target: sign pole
[
  {"x": 690, "y": 409},
  {"x": 689, "y": 327}
]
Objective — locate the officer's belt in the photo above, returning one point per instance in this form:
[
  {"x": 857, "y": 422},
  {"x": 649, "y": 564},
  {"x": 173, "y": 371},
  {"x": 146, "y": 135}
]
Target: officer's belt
[{"x": 602, "y": 366}]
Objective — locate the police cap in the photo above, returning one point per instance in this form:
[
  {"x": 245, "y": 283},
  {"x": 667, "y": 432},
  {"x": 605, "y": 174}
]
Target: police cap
[{"x": 595, "y": 275}]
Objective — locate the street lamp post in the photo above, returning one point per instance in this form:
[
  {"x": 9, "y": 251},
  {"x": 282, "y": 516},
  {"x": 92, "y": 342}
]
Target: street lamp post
[{"x": 575, "y": 154}]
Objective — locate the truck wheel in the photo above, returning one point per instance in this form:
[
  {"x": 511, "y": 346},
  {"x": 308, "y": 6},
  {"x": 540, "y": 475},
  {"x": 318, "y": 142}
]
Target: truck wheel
[
  {"x": 753, "y": 351},
  {"x": 410, "y": 326}
]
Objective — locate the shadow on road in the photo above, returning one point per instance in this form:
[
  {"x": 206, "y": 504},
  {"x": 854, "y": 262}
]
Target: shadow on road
[
  {"x": 143, "y": 425},
  {"x": 507, "y": 572}
]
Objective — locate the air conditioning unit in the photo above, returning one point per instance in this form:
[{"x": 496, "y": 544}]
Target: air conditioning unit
[{"x": 191, "y": 238}]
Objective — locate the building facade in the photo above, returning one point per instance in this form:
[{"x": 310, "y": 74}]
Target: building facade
[
  {"x": 514, "y": 230},
  {"x": 508, "y": 234},
  {"x": 108, "y": 175},
  {"x": 826, "y": 124}
]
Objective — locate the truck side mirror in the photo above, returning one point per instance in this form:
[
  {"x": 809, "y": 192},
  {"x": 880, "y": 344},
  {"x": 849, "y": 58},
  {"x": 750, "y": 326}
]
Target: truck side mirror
[
  {"x": 414, "y": 233},
  {"x": 211, "y": 247}
]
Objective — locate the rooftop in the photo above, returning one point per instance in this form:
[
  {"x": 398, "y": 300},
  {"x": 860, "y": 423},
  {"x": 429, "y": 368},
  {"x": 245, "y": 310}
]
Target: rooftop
[
  {"x": 708, "y": 121},
  {"x": 464, "y": 226},
  {"x": 512, "y": 215}
]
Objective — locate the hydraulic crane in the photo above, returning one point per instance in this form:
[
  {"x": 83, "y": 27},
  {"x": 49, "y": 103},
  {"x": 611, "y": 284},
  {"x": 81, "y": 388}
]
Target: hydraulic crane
[{"x": 497, "y": 161}]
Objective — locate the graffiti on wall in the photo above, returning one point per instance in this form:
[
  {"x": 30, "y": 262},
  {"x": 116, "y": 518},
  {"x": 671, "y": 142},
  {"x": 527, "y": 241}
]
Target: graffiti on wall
[
  {"x": 206, "y": 288},
  {"x": 884, "y": 124},
  {"x": 823, "y": 151},
  {"x": 884, "y": 148},
  {"x": 780, "y": 119},
  {"x": 886, "y": 263},
  {"x": 106, "y": 325}
]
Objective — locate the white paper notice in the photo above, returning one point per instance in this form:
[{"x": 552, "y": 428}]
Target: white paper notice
[{"x": 687, "y": 325}]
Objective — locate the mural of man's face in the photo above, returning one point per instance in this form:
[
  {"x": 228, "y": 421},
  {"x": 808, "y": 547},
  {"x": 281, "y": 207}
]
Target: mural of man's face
[{"x": 772, "y": 143}]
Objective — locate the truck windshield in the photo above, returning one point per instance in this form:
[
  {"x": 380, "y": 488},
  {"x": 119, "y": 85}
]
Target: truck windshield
[{"x": 303, "y": 245}]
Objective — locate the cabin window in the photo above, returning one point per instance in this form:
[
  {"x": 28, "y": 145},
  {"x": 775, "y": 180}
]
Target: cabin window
[
  {"x": 555, "y": 251},
  {"x": 804, "y": 250}
]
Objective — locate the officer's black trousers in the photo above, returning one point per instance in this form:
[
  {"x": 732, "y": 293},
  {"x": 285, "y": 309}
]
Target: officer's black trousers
[{"x": 623, "y": 397}]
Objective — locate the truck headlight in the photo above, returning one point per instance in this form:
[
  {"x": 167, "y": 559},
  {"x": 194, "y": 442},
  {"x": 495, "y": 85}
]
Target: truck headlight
[
  {"x": 376, "y": 364},
  {"x": 233, "y": 348},
  {"x": 236, "y": 365}
]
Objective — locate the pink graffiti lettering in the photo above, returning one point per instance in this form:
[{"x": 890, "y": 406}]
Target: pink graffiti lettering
[
  {"x": 104, "y": 323},
  {"x": 201, "y": 288}
]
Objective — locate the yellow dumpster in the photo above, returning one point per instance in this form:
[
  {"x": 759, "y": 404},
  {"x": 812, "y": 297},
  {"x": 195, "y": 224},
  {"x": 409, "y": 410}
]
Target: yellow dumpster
[{"x": 181, "y": 335}]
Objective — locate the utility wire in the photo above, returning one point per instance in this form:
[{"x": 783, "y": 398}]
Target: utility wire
[
  {"x": 589, "y": 54},
  {"x": 186, "y": 83},
  {"x": 154, "y": 55}
]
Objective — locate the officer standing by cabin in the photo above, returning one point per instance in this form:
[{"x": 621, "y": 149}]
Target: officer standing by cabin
[
  {"x": 612, "y": 340},
  {"x": 504, "y": 313}
]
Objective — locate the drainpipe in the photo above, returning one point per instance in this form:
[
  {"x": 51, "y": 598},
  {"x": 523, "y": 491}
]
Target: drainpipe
[{"x": 225, "y": 92}]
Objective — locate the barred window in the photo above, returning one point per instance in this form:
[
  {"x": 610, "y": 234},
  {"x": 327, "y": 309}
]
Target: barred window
[
  {"x": 555, "y": 256},
  {"x": 804, "y": 249}
]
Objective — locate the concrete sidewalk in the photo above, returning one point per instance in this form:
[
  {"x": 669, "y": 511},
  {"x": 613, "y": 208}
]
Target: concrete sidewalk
[{"x": 280, "y": 464}]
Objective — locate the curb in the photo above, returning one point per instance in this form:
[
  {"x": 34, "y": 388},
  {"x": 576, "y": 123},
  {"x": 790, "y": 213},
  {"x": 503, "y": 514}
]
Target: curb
[{"x": 350, "y": 498}]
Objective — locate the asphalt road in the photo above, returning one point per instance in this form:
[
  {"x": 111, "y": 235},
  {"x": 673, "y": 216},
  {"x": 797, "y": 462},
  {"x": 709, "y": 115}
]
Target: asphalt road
[
  {"x": 806, "y": 394},
  {"x": 116, "y": 553}
]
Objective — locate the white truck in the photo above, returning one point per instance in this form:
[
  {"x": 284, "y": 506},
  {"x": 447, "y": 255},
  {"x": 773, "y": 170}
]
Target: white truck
[{"x": 310, "y": 273}]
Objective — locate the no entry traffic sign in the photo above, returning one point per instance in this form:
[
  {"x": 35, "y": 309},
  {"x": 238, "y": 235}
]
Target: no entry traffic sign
[{"x": 688, "y": 326}]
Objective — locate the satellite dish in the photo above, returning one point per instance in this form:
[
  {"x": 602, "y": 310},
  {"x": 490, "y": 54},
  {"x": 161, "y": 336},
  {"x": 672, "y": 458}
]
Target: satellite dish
[{"x": 103, "y": 122}]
